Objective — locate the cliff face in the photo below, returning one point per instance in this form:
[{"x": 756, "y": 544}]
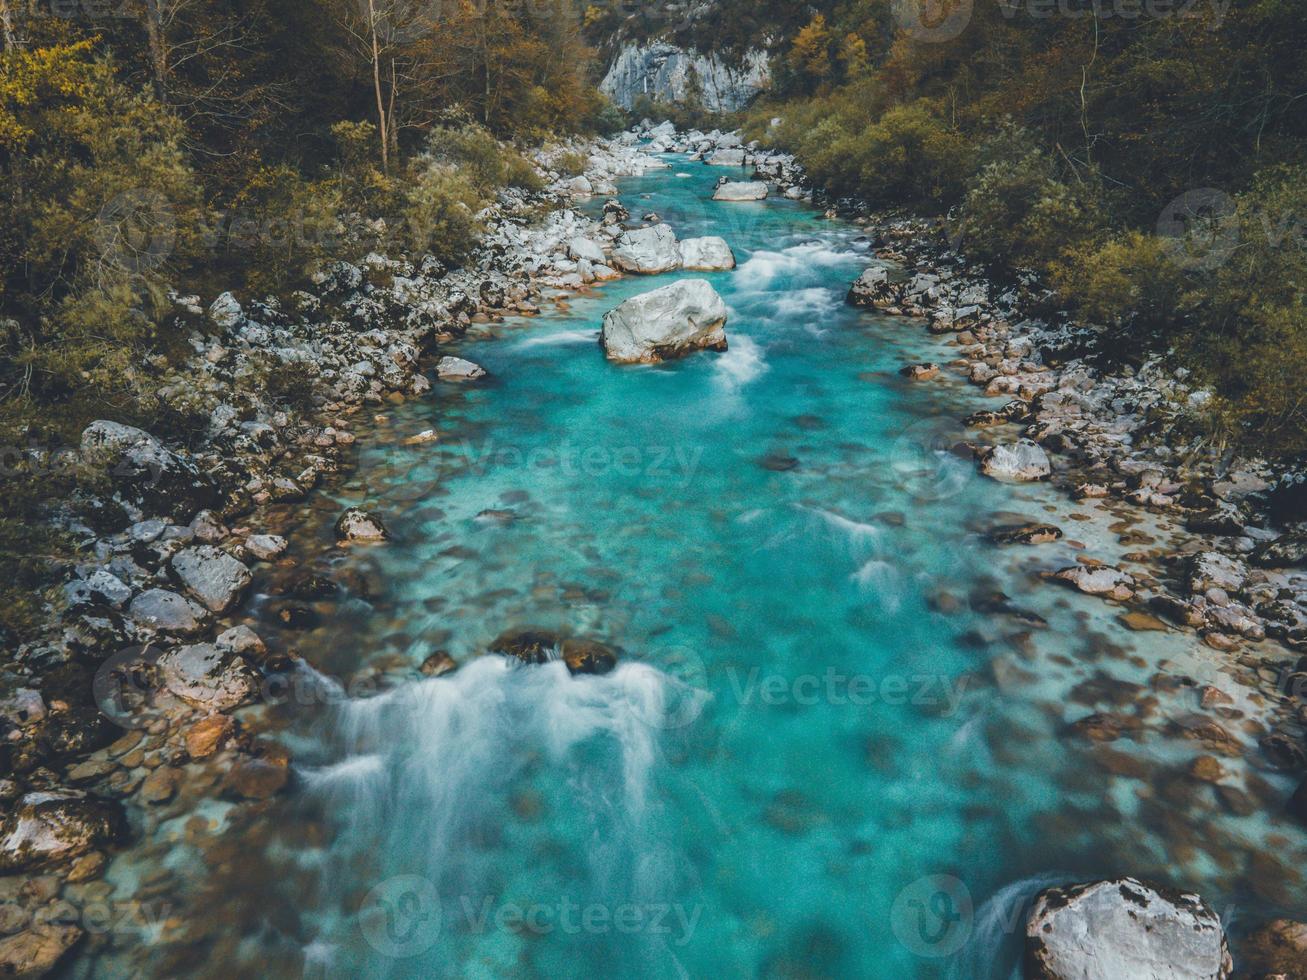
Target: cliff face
[{"x": 668, "y": 73}]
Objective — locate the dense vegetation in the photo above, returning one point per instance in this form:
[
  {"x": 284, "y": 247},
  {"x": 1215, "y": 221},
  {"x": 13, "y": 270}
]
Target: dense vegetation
[
  {"x": 1146, "y": 159},
  {"x": 206, "y": 145}
]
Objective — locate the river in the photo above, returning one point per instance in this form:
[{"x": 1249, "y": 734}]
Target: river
[{"x": 830, "y": 749}]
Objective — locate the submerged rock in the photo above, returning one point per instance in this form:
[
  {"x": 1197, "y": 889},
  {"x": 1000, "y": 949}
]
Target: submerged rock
[
  {"x": 708, "y": 254},
  {"x": 668, "y": 322},
  {"x": 36, "y": 951},
  {"x": 741, "y": 190},
  {"x": 1279, "y": 948},
  {"x": 1025, "y": 534},
  {"x": 647, "y": 251},
  {"x": 359, "y": 525},
  {"x": 1111, "y": 930}
]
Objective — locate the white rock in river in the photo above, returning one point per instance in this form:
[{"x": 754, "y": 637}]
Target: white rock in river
[
  {"x": 741, "y": 190},
  {"x": 667, "y": 322},
  {"x": 1113, "y": 930},
  {"x": 456, "y": 369},
  {"x": 647, "y": 250},
  {"x": 1024, "y": 461},
  {"x": 203, "y": 675},
  {"x": 710, "y": 254}
]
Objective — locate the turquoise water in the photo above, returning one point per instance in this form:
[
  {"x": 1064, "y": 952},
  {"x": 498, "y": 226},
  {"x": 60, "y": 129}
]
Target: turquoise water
[{"x": 824, "y": 752}]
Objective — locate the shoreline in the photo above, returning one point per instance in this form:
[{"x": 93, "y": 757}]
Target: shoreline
[{"x": 209, "y": 686}]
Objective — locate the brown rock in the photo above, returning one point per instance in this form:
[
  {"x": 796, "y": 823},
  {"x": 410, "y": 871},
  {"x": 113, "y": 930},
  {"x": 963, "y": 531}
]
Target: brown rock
[
  {"x": 1277, "y": 949},
  {"x": 206, "y": 736},
  {"x": 87, "y": 867},
  {"x": 256, "y": 779},
  {"x": 1141, "y": 622},
  {"x": 1207, "y": 769},
  {"x": 160, "y": 786},
  {"x": 1210, "y": 697},
  {"x": 438, "y": 664},
  {"x": 34, "y": 953}
]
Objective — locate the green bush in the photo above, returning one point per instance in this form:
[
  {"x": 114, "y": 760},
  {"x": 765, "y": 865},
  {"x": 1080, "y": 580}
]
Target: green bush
[
  {"x": 1017, "y": 213},
  {"x": 484, "y": 161},
  {"x": 1129, "y": 279},
  {"x": 440, "y": 213}
]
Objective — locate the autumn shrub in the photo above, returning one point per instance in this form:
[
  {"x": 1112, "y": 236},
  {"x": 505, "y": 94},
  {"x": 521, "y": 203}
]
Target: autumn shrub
[
  {"x": 1131, "y": 278},
  {"x": 485, "y": 162},
  {"x": 440, "y": 213}
]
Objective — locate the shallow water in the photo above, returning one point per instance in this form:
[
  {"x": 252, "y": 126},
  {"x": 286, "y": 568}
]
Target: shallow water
[{"x": 817, "y": 757}]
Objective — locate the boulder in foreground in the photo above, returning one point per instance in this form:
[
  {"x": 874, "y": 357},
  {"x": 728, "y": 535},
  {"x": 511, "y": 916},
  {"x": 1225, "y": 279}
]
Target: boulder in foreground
[
  {"x": 1109, "y": 930},
  {"x": 665, "y": 323}
]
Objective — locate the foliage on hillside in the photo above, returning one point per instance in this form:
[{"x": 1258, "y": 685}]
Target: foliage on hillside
[
  {"x": 207, "y": 145},
  {"x": 1141, "y": 158}
]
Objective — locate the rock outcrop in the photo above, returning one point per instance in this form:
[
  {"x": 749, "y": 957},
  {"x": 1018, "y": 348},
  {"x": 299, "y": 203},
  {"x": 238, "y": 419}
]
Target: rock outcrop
[{"x": 667, "y": 73}]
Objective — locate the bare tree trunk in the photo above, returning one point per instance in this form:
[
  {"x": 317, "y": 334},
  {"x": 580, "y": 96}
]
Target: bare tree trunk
[
  {"x": 158, "y": 52},
  {"x": 7, "y": 25},
  {"x": 391, "y": 128},
  {"x": 383, "y": 133}
]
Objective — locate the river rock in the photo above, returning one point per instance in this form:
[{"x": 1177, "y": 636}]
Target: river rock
[
  {"x": 647, "y": 250},
  {"x": 582, "y": 655},
  {"x": 36, "y": 951},
  {"x": 741, "y": 190},
  {"x": 1025, "y": 534},
  {"x": 211, "y": 575},
  {"x": 1289, "y": 551},
  {"x": 668, "y": 322},
  {"x": 265, "y": 547},
  {"x": 1213, "y": 570},
  {"x": 1022, "y": 462},
  {"x": 145, "y": 473},
  {"x": 45, "y": 828},
  {"x": 731, "y": 157},
  {"x": 457, "y": 369},
  {"x": 1113, "y": 930},
  {"x": 584, "y": 248},
  {"x": 873, "y": 288},
  {"x": 205, "y": 676},
  {"x": 1101, "y": 580},
  {"x": 168, "y": 612},
  {"x": 206, "y": 736},
  {"x": 708, "y": 254},
  {"x": 1277, "y": 949},
  {"x": 359, "y": 525}
]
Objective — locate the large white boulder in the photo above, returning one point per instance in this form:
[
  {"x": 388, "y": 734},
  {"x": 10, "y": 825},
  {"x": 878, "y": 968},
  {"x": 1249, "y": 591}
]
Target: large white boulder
[
  {"x": 667, "y": 322},
  {"x": 710, "y": 254},
  {"x": 741, "y": 190},
  {"x": 1113, "y": 930},
  {"x": 647, "y": 250},
  {"x": 457, "y": 369},
  {"x": 1024, "y": 461}
]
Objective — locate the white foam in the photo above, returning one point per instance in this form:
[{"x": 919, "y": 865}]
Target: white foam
[
  {"x": 561, "y": 337},
  {"x": 743, "y": 362}
]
